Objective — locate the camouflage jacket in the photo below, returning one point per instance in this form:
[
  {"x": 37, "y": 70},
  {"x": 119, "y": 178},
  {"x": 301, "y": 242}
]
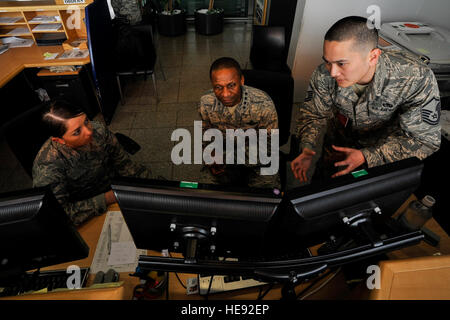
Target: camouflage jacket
[
  {"x": 131, "y": 9},
  {"x": 256, "y": 110},
  {"x": 396, "y": 117},
  {"x": 80, "y": 177}
]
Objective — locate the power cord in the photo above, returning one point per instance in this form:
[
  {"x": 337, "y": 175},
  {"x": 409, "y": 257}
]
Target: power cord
[
  {"x": 179, "y": 280},
  {"x": 321, "y": 286},
  {"x": 209, "y": 287},
  {"x": 261, "y": 296},
  {"x": 176, "y": 274}
]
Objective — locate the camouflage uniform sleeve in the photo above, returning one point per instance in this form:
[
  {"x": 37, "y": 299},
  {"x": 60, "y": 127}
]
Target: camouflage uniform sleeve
[
  {"x": 268, "y": 120},
  {"x": 419, "y": 134},
  {"x": 269, "y": 117},
  {"x": 52, "y": 174},
  {"x": 122, "y": 162},
  {"x": 202, "y": 110},
  {"x": 314, "y": 113},
  {"x": 205, "y": 103}
]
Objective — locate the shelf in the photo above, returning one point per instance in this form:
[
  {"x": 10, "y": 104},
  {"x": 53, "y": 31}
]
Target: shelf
[
  {"x": 21, "y": 30},
  {"x": 8, "y": 20},
  {"x": 20, "y": 23},
  {"x": 15, "y": 35},
  {"x": 20, "y": 15},
  {"x": 49, "y": 31},
  {"x": 50, "y": 22}
]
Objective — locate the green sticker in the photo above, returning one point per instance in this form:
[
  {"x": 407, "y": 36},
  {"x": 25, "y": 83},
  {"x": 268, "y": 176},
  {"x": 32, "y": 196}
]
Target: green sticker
[
  {"x": 187, "y": 184},
  {"x": 360, "y": 173}
]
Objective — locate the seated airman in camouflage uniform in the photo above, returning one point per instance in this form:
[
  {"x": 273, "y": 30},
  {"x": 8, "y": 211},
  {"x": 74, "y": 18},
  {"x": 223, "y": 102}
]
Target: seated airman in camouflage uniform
[
  {"x": 79, "y": 160},
  {"x": 232, "y": 105},
  {"x": 130, "y": 9},
  {"x": 372, "y": 106}
]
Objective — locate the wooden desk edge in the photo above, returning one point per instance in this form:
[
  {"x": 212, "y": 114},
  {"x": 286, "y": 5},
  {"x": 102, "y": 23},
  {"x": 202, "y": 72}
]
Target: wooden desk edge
[{"x": 20, "y": 65}]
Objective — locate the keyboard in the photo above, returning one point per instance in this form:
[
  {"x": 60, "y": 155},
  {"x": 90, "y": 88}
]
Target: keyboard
[
  {"x": 226, "y": 283},
  {"x": 50, "y": 280}
]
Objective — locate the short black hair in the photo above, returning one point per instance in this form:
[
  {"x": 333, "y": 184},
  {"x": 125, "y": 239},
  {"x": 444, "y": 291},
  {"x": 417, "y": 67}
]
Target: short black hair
[
  {"x": 356, "y": 28},
  {"x": 56, "y": 115},
  {"x": 225, "y": 63}
]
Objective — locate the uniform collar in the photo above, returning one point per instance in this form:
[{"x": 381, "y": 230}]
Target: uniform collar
[
  {"x": 71, "y": 152},
  {"x": 380, "y": 75},
  {"x": 242, "y": 106}
]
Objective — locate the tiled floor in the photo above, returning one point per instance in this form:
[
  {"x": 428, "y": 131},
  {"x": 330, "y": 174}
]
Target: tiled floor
[{"x": 185, "y": 61}]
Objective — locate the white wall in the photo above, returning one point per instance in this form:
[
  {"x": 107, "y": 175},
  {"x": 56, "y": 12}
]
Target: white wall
[
  {"x": 436, "y": 12},
  {"x": 317, "y": 16}
]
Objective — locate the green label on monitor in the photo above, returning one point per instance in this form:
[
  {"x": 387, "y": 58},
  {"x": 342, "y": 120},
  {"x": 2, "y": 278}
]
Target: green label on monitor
[
  {"x": 360, "y": 173},
  {"x": 187, "y": 184}
]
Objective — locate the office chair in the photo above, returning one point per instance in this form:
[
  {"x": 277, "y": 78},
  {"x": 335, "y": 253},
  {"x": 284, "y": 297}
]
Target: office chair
[
  {"x": 280, "y": 87},
  {"x": 25, "y": 135},
  {"x": 135, "y": 53},
  {"x": 268, "y": 50},
  {"x": 149, "y": 17}
]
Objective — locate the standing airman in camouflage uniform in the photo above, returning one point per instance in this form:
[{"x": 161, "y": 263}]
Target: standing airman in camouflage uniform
[
  {"x": 375, "y": 106},
  {"x": 232, "y": 105},
  {"x": 131, "y": 9},
  {"x": 79, "y": 161}
]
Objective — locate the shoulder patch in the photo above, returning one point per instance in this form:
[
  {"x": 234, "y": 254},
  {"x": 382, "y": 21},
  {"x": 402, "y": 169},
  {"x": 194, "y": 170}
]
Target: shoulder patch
[{"x": 431, "y": 112}]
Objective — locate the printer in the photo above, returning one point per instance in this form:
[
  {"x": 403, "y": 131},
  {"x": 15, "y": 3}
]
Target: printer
[{"x": 430, "y": 43}]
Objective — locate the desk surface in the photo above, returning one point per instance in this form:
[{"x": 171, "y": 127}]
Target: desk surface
[
  {"x": 337, "y": 287},
  {"x": 13, "y": 61}
]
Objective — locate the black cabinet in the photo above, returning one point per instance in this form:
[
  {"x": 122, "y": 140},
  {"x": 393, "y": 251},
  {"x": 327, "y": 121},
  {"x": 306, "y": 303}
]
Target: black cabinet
[
  {"x": 76, "y": 88},
  {"x": 435, "y": 179},
  {"x": 16, "y": 97}
]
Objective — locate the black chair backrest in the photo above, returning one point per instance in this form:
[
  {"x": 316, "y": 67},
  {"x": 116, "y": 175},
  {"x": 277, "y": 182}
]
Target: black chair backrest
[
  {"x": 280, "y": 87},
  {"x": 25, "y": 136},
  {"x": 268, "y": 50},
  {"x": 134, "y": 49}
]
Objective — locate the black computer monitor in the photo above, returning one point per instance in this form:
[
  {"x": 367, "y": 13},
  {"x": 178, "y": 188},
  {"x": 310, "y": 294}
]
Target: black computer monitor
[
  {"x": 316, "y": 212},
  {"x": 355, "y": 207},
  {"x": 198, "y": 220},
  {"x": 35, "y": 232}
]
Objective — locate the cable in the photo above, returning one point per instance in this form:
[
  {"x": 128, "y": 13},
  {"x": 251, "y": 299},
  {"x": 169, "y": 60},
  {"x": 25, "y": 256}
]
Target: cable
[
  {"x": 311, "y": 284},
  {"x": 260, "y": 297},
  {"x": 322, "y": 285},
  {"x": 179, "y": 280},
  {"x": 167, "y": 285},
  {"x": 209, "y": 287},
  {"x": 176, "y": 274}
]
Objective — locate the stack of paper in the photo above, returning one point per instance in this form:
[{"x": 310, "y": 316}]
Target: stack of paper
[
  {"x": 74, "y": 54},
  {"x": 15, "y": 42},
  {"x": 115, "y": 247},
  {"x": 18, "y": 31},
  {"x": 9, "y": 19},
  {"x": 3, "y": 48},
  {"x": 44, "y": 19},
  {"x": 47, "y": 27}
]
